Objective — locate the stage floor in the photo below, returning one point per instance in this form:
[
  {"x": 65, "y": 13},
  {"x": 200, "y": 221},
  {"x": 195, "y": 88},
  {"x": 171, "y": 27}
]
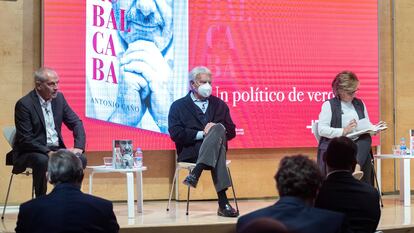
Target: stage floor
[{"x": 204, "y": 213}]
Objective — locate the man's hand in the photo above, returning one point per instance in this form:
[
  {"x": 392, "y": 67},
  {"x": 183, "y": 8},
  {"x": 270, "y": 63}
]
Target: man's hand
[
  {"x": 145, "y": 61},
  {"x": 208, "y": 127},
  {"x": 132, "y": 90}
]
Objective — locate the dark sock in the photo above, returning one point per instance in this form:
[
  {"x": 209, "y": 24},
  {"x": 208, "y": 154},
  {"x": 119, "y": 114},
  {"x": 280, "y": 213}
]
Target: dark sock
[
  {"x": 222, "y": 198},
  {"x": 198, "y": 169}
]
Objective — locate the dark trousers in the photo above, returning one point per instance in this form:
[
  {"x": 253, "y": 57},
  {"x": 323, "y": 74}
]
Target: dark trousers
[
  {"x": 364, "y": 157},
  {"x": 213, "y": 154},
  {"x": 38, "y": 162}
]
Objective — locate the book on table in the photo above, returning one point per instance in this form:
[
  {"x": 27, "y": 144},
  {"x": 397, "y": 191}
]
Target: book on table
[{"x": 123, "y": 156}]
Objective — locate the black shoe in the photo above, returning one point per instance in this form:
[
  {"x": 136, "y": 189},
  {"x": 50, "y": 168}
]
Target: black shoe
[
  {"x": 227, "y": 211},
  {"x": 191, "y": 181}
]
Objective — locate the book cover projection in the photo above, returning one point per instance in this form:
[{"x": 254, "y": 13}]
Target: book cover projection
[{"x": 136, "y": 61}]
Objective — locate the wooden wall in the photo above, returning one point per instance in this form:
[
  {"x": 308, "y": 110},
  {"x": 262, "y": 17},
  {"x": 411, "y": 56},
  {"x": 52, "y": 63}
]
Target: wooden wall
[{"x": 252, "y": 169}]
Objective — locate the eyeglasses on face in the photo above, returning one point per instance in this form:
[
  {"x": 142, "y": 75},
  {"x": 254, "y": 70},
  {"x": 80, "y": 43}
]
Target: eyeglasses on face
[{"x": 352, "y": 92}]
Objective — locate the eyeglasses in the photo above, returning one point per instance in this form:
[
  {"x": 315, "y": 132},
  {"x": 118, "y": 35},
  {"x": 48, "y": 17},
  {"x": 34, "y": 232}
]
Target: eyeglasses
[{"x": 352, "y": 92}]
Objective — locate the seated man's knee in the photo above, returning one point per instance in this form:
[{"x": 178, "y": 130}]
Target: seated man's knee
[
  {"x": 40, "y": 161},
  {"x": 218, "y": 129}
]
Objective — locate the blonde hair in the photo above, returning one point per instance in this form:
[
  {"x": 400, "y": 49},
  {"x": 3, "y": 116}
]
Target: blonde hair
[{"x": 346, "y": 81}]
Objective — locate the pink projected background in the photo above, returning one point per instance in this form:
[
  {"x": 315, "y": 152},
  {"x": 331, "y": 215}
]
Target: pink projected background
[{"x": 273, "y": 63}]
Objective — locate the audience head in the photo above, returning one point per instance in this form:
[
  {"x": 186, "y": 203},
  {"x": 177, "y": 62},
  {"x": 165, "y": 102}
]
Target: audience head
[
  {"x": 298, "y": 176},
  {"x": 345, "y": 85},
  {"x": 264, "y": 225},
  {"x": 64, "y": 167},
  {"x": 46, "y": 83},
  {"x": 341, "y": 154}
]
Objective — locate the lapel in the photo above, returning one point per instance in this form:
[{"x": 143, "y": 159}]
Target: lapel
[
  {"x": 37, "y": 107},
  {"x": 211, "y": 109},
  {"x": 54, "y": 111},
  {"x": 191, "y": 107}
]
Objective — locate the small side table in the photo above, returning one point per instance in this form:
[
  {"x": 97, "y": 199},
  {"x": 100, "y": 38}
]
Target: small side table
[
  {"x": 129, "y": 172},
  {"x": 405, "y": 188}
]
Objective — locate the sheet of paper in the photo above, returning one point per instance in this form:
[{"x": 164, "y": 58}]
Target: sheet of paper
[{"x": 363, "y": 124}]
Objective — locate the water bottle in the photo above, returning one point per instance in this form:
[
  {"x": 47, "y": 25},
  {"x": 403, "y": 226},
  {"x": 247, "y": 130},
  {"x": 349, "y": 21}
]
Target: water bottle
[
  {"x": 138, "y": 158},
  {"x": 403, "y": 146}
]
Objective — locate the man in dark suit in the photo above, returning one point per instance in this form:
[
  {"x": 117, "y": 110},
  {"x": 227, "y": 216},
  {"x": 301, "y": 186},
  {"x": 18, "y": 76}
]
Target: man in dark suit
[
  {"x": 38, "y": 118},
  {"x": 298, "y": 180},
  {"x": 66, "y": 208},
  {"x": 200, "y": 125},
  {"x": 342, "y": 193}
]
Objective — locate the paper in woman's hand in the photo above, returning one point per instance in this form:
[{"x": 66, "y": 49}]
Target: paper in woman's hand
[{"x": 364, "y": 126}]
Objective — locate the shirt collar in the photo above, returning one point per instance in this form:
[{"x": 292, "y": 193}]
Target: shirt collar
[
  {"x": 42, "y": 101},
  {"x": 337, "y": 171},
  {"x": 197, "y": 100}
]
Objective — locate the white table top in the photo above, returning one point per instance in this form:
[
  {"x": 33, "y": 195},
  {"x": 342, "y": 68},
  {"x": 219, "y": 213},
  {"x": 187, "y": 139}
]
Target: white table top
[
  {"x": 391, "y": 156},
  {"x": 103, "y": 168}
]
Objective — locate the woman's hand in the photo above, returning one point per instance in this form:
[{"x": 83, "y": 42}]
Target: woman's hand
[{"x": 351, "y": 125}]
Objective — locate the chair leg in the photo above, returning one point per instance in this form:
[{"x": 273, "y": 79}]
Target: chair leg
[
  {"x": 172, "y": 188},
  {"x": 7, "y": 196},
  {"x": 33, "y": 188},
  {"x": 234, "y": 192},
  {"x": 376, "y": 180},
  {"x": 33, "y": 192},
  {"x": 188, "y": 195},
  {"x": 188, "y": 200}
]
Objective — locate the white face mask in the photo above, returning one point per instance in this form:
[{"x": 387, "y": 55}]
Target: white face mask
[{"x": 205, "y": 90}]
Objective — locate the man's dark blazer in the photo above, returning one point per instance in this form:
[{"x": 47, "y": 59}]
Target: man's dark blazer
[
  {"x": 67, "y": 209},
  {"x": 358, "y": 201},
  {"x": 30, "y": 125},
  {"x": 298, "y": 217},
  {"x": 184, "y": 122}
]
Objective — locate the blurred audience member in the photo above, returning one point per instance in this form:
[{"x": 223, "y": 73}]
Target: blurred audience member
[
  {"x": 66, "y": 208},
  {"x": 342, "y": 193},
  {"x": 298, "y": 180},
  {"x": 264, "y": 225}
]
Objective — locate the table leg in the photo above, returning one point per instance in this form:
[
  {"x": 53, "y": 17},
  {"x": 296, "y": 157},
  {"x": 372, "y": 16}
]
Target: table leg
[
  {"x": 379, "y": 175},
  {"x": 405, "y": 189},
  {"x": 140, "y": 194},
  {"x": 90, "y": 182},
  {"x": 130, "y": 190}
]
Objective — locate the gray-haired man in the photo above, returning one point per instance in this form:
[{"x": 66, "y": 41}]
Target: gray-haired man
[
  {"x": 66, "y": 208},
  {"x": 200, "y": 125}
]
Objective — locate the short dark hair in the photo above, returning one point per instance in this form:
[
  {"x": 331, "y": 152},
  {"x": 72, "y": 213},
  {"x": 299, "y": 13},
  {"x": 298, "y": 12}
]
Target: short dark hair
[
  {"x": 298, "y": 176},
  {"x": 64, "y": 167},
  {"x": 341, "y": 153}
]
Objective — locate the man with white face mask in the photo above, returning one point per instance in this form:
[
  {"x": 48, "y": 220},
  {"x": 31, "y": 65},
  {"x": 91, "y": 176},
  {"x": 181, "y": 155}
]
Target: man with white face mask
[{"x": 200, "y": 125}]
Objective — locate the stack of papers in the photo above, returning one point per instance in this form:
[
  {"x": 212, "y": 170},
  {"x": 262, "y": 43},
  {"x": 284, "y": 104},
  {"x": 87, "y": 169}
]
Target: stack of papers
[{"x": 364, "y": 126}]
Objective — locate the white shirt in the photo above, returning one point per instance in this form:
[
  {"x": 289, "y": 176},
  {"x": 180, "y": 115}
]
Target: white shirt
[
  {"x": 348, "y": 113},
  {"x": 51, "y": 133},
  {"x": 202, "y": 104}
]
